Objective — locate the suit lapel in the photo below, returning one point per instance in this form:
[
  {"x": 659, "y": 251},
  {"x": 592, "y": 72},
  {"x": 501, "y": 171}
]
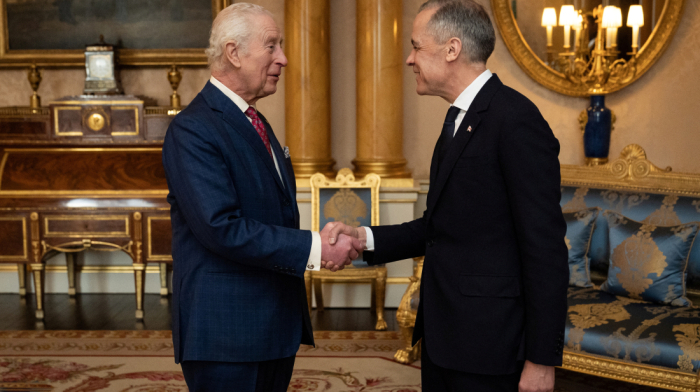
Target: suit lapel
[
  {"x": 285, "y": 170},
  {"x": 462, "y": 138},
  {"x": 233, "y": 115}
]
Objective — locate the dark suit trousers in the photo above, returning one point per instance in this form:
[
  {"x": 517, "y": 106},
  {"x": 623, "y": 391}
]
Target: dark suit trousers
[
  {"x": 266, "y": 376},
  {"x": 438, "y": 379}
]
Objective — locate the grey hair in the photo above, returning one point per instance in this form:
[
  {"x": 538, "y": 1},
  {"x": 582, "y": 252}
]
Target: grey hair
[
  {"x": 466, "y": 20},
  {"x": 232, "y": 24}
]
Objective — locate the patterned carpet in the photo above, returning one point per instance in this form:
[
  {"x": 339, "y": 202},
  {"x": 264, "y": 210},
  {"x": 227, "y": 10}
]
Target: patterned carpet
[{"x": 141, "y": 361}]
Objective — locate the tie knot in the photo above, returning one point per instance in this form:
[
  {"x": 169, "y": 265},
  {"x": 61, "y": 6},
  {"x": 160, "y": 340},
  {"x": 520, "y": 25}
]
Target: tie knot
[
  {"x": 250, "y": 112},
  {"x": 452, "y": 114}
]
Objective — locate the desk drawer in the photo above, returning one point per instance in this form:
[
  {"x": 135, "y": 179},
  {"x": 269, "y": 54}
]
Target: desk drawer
[
  {"x": 87, "y": 226},
  {"x": 14, "y": 238}
]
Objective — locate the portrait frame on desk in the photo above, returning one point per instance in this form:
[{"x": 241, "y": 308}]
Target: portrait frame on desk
[{"x": 36, "y": 53}]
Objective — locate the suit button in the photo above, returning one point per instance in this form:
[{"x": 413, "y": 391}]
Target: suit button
[
  {"x": 431, "y": 242},
  {"x": 286, "y": 202}
]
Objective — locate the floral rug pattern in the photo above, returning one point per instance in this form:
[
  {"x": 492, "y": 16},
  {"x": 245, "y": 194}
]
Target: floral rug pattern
[{"x": 141, "y": 361}]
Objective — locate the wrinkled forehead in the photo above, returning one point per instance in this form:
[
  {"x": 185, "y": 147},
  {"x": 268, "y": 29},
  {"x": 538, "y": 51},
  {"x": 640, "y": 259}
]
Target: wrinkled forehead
[{"x": 266, "y": 28}]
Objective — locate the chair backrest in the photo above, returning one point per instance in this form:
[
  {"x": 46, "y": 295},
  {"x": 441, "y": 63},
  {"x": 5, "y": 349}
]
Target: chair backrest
[
  {"x": 639, "y": 190},
  {"x": 353, "y": 202}
]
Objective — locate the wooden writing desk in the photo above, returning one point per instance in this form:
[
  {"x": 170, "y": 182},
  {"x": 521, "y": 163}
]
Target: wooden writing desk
[{"x": 85, "y": 173}]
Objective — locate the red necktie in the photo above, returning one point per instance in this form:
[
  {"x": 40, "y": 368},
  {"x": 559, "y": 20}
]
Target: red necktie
[{"x": 258, "y": 125}]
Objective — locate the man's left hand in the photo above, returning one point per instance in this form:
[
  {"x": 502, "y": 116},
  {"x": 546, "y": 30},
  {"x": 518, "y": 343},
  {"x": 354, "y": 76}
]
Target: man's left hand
[{"x": 536, "y": 378}]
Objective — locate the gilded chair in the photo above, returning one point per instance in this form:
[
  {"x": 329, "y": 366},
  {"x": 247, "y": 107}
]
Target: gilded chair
[{"x": 354, "y": 203}]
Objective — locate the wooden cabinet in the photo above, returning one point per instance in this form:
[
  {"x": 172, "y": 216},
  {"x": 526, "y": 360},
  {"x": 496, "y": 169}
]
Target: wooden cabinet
[{"x": 84, "y": 174}]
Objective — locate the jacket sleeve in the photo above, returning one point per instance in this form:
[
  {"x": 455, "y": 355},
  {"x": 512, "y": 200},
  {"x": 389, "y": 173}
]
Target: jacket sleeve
[
  {"x": 397, "y": 242},
  {"x": 528, "y": 155},
  {"x": 200, "y": 183}
]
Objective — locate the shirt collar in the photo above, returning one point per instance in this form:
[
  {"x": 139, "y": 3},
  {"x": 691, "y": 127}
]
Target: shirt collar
[
  {"x": 467, "y": 97},
  {"x": 240, "y": 102}
]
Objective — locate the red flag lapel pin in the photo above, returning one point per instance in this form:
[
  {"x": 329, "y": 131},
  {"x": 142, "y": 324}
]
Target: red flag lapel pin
[{"x": 469, "y": 129}]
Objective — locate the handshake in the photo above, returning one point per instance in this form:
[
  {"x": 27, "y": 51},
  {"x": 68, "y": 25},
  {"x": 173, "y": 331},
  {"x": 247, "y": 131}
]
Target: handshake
[{"x": 340, "y": 245}]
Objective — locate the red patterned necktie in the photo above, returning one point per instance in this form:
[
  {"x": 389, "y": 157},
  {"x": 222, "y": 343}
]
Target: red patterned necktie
[{"x": 258, "y": 125}]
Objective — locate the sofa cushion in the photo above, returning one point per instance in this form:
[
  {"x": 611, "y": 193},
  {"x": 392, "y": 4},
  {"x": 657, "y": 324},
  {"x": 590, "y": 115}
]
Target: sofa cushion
[
  {"x": 653, "y": 208},
  {"x": 633, "y": 330},
  {"x": 579, "y": 227},
  {"x": 648, "y": 261}
]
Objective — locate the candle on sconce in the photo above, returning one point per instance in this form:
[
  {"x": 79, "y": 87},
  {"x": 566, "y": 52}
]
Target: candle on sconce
[
  {"x": 635, "y": 20},
  {"x": 610, "y": 25},
  {"x": 549, "y": 20},
  {"x": 577, "y": 28},
  {"x": 567, "y": 18}
]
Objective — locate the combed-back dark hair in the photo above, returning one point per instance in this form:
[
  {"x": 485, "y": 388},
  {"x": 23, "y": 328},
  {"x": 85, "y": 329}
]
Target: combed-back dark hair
[{"x": 466, "y": 20}]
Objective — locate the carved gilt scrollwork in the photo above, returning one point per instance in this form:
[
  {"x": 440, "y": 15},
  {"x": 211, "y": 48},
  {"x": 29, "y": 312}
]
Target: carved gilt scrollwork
[{"x": 632, "y": 171}]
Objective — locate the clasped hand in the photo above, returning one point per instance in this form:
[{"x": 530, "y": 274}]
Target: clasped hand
[{"x": 340, "y": 245}]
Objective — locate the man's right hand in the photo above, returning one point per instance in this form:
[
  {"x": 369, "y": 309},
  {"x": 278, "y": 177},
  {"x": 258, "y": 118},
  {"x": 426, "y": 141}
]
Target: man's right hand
[
  {"x": 339, "y": 251},
  {"x": 338, "y": 232}
]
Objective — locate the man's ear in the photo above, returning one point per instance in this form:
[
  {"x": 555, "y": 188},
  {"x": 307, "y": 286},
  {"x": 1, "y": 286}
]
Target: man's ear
[
  {"x": 232, "y": 53},
  {"x": 454, "y": 49}
]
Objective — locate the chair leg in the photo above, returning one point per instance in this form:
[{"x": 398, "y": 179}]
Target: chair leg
[
  {"x": 307, "y": 284},
  {"x": 70, "y": 264},
  {"x": 22, "y": 275},
  {"x": 381, "y": 294},
  {"x": 38, "y": 272},
  {"x": 318, "y": 289},
  {"x": 163, "y": 279}
]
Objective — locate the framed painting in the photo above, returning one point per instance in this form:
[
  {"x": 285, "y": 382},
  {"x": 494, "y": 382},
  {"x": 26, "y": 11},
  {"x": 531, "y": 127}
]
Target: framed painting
[{"x": 145, "y": 32}]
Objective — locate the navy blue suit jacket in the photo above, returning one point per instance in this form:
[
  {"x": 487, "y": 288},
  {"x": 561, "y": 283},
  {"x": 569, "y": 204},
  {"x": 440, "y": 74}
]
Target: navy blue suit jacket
[
  {"x": 495, "y": 277},
  {"x": 238, "y": 254}
]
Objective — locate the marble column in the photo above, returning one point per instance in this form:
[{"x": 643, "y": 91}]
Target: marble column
[
  {"x": 308, "y": 86},
  {"x": 380, "y": 89}
]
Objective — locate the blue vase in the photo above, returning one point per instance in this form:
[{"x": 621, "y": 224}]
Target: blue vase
[{"x": 596, "y": 138}]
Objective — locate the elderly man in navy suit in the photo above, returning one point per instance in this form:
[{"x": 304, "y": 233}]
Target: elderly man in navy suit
[
  {"x": 493, "y": 293},
  {"x": 239, "y": 305}
]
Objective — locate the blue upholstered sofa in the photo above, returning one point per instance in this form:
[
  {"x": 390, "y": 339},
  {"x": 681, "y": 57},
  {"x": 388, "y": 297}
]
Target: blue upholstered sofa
[{"x": 625, "y": 337}]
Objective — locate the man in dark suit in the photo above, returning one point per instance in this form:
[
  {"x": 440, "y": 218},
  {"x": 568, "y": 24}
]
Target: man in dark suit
[
  {"x": 239, "y": 305},
  {"x": 493, "y": 296}
]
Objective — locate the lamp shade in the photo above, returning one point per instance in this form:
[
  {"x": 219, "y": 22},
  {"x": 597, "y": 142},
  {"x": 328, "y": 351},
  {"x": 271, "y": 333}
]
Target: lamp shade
[
  {"x": 567, "y": 15},
  {"x": 549, "y": 17},
  {"x": 636, "y": 16},
  {"x": 610, "y": 17}
]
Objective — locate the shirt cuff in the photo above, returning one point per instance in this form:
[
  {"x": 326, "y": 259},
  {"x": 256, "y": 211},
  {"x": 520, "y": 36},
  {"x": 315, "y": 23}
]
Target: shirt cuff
[
  {"x": 314, "y": 263},
  {"x": 369, "y": 245}
]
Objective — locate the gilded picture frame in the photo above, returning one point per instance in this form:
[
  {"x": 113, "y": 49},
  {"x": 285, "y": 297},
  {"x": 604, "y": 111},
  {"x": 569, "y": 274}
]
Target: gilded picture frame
[
  {"x": 74, "y": 57},
  {"x": 556, "y": 81}
]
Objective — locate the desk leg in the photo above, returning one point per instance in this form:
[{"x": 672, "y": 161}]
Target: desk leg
[
  {"x": 70, "y": 265},
  {"x": 139, "y": 265},
  {"x": 37, "y": 265},
  {"x": 139, "y": 280},
  {"x": 381, "y": 294},
  {"x": 22, "y": 274},
  {"x": 38, "y": 272},
  {"x": 163, "y": 279}
]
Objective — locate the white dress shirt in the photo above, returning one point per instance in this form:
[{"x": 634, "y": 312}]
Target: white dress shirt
[
  {"x": 463, "y": 102},
  {"x": 314, "y": 263}
]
